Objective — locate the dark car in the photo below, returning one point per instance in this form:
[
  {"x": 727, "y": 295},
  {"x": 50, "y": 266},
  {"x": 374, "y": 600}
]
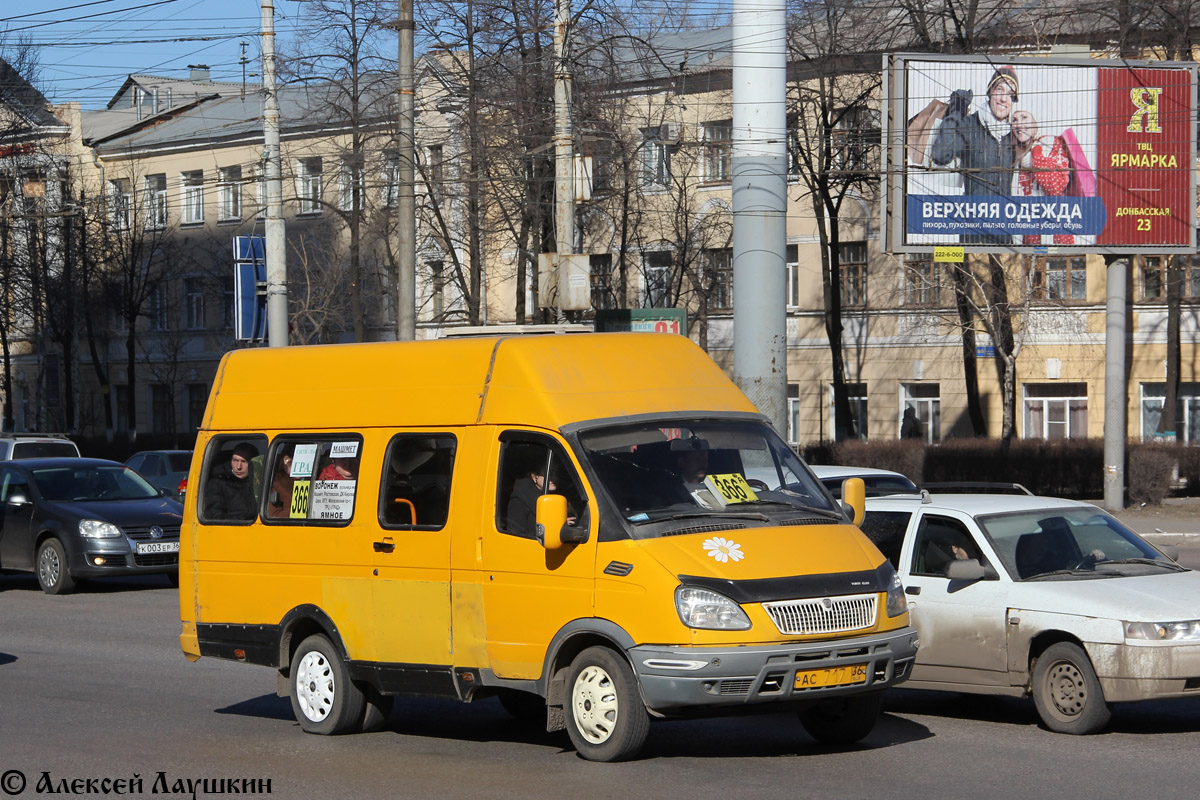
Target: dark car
[
  {"x": 165, "y": 469},
  {"x": 70, "y": 518}
]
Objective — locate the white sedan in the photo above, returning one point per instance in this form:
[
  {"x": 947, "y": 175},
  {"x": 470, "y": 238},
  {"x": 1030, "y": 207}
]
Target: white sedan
[{"x": 1020, "y": 595}]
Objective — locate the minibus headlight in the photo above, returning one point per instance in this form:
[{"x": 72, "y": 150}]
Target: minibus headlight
[
  {"x": 1188, "y": 630},
  {"x": 98, "y": 529},
  {"x": 707, "y": 610},
  {"x": 897, "y": 603}
]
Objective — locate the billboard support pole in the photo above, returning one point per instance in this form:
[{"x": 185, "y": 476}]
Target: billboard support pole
[
  {"x": 1114, "y": 384},
  {"x": 273, "y": 227}
]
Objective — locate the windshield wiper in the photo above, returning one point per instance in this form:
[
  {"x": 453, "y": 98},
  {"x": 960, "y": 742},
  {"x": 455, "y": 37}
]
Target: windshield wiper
[
  {"x": 718, "y": 513},
  {"x": 1081, "y": 572},
  {"x": 1154, "y": 562}
]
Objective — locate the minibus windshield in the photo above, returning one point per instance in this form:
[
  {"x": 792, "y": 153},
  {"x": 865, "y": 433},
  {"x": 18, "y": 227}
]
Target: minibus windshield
[{"x": 681, "y": 469}]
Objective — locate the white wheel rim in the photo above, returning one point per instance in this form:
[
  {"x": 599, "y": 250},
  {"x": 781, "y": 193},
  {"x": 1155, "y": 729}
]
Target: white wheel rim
[
  {"x": 48, "y": 566},
  {"x": 315, "y": 687},
  {"x": 594, "y": 704}
]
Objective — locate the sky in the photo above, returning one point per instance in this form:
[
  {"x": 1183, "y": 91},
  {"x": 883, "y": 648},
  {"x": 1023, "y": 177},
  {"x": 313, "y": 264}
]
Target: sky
[{"x": 88, "y": 47}]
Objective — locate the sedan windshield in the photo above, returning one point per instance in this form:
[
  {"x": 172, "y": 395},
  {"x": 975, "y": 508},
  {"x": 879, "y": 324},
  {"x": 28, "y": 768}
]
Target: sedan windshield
[
  {"x": 682, "y": 470},
  {"x": 68, "y": 484},
  {"x": 1070, "y": 542}
]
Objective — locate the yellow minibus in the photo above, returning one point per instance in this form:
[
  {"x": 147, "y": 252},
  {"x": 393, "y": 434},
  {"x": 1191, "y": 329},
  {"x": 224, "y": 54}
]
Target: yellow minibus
[{"x": 596, "y": 529}]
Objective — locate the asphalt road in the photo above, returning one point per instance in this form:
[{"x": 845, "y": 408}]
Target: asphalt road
[{"x": 95, "y": 687}]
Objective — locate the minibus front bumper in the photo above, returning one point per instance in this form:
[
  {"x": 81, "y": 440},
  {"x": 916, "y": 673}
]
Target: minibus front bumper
[{"x": 676, "y": 679}]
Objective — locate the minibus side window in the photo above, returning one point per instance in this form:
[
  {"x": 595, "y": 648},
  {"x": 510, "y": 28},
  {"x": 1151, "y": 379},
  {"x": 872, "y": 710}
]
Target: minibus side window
[
  {"x": 231, "y": 480},
  {"x": 529, "y": 469},
  {"x": 313, "y": 479},
  {"x": 415, "y": 489}
]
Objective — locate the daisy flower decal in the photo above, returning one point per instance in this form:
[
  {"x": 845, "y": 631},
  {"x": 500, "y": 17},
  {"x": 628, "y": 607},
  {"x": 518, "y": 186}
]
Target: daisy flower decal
[{"x": 724, "y": 550}]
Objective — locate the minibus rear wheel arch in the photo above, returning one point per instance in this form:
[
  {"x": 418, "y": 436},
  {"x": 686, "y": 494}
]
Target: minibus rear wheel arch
[{"x": 300, "y": 623}]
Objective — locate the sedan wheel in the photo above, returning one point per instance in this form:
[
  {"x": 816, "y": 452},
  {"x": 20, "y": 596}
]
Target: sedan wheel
[
  {"x": 1066, "y": 691},
  {"x": 53, "y": 573}
]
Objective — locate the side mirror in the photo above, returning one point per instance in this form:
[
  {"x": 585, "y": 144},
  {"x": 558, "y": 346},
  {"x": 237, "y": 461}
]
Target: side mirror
[
  {"x": 854, "y": 495},
  {"x": 17, "y": 499},
  {"x": 1169, "y": 550},
  {"x": 969, "y": 569},
  {"x": 551, "y": 517}
]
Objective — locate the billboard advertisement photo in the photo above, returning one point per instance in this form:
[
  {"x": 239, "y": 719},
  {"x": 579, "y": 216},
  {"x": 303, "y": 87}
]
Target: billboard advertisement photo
[{"x": 1040, "y": 155}]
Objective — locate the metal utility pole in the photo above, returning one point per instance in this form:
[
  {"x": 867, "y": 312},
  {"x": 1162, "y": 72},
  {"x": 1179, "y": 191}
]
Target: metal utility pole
[
  {"x": 1114, "y": 385},
  {"x": 759, "y": 173},
  {"x": 406, "y": 200},
  {"x": 564, "y": 155},
  {"x": 275, "y": 249}
]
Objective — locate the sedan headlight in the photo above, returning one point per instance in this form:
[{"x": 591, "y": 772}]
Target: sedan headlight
[
  {"x": 897, "y": 603},
  {"x": 98, "y": 529},
  {"x": 1163, "y": 631},
  {"x": 701, "y": 608}
]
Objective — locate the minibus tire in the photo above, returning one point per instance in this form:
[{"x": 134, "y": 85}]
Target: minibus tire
[
  {"x": 842, "y": 720},
  {"x": 607, "y": 719},
  {"x": 324, "y": 699}
]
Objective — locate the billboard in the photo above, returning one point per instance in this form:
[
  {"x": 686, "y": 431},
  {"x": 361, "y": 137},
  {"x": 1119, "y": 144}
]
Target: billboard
[{"x": 1037, "y": 155}]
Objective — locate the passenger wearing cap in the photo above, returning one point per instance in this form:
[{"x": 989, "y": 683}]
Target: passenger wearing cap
[
  {"x": 230, "y": 492},
  {"x": 981, "y": 140}
]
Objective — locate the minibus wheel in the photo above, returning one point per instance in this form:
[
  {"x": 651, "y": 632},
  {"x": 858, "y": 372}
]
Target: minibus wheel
[
  {"x": 608, "y": 721},
  {"x": 842, "y": 720},
  {"x": 324, "y": 699}
]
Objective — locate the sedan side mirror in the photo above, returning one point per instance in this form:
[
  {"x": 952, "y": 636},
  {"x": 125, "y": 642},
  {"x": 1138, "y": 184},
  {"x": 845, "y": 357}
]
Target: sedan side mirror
[
  {"x": 17, "y": 499},
  {"x": 969, "y": 569}
]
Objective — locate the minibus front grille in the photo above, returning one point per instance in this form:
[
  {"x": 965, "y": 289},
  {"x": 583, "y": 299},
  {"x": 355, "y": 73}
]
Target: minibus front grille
[
  {"x": 728, "y": 526},
  {"x": 824, "y": 614}
]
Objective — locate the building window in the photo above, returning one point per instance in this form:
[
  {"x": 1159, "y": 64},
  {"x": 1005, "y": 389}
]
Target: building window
[
  {"x": 1187, "y": 411},
  {"x": 1060, "y": 278},
  {"x": 658, "y": 278},
  {"x": 856, "y": 139},
  {"x": 391, "y": 179},
  {"x": 717, "y": 145},
  {"x": 162, "y": 410},
  {"x": 718, "y": 278},
  {"x": 852, "y": 262},
  {"x": 227, "y": 306},
  {"x": 857, "y": 394},
  {"x": 793, "y": 413},
  {"x": 229, "y": 193},
  {"x": 434, "y": 168},
  {"x": 350, "y": 179},
  {"x": 155, "y": 189},
  {"x": 197, "y": 399},
  {"x": 260, "y": 190},
  {"x": 1055, "y": 410},
  {"x": 308, "y": 185},
  {"x": 193, "y": 290},
  {"x": 192, "y": 197},
  {"x": 1154, "y": 282},
  {"x": 120, "y": 198},
  {"x": 925, "y": 401},
  {"x": 1191, "y": 275},
  {"x": 156, "y": 307},
  {"x": 921, "y": 281},
  {"x": 437, "y": 288},
  {"x": 793, "y": 275},
  {"x": 121, "y": 410},
  {"x": 654, "y": 159},
  {"x": 600, "y": 279}
]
